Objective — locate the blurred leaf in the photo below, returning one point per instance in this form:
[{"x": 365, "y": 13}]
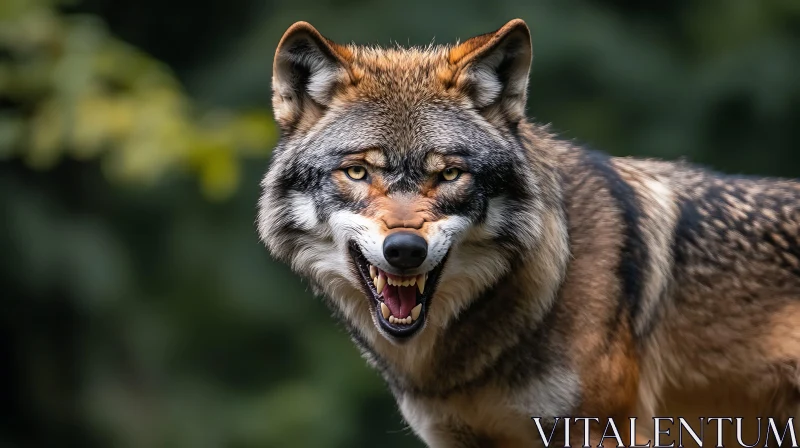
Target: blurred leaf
[{"x": 93, "y": 96}]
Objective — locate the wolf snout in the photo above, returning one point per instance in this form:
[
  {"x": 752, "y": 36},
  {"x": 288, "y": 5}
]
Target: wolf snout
[{"x": 405, "y": 250}]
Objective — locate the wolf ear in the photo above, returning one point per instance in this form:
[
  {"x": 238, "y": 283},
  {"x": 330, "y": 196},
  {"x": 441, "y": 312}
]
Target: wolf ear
[
  {"x": 493, "y": 68},
  {"x": 307, "y": 70}
]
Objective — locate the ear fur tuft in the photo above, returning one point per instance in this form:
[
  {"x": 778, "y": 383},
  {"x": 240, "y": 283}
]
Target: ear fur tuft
[
  {"x": 307, "y": 70},
  {"x": 493, "y": 68}
]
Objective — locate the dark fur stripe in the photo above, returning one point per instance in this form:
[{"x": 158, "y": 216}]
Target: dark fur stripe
[
  {"x": 686, "y": 229},
  {"x": 634, "y": 256}
]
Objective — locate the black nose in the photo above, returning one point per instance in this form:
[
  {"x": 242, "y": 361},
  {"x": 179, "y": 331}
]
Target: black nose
[{"x": 405, "y": 250}]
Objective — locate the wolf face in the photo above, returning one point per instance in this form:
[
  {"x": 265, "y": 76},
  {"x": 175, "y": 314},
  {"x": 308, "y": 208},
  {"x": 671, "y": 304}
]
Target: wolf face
[{"x": 399, "y": 188}]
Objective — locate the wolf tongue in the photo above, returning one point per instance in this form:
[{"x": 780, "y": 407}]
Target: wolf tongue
[{"x": 400, "y": 299}]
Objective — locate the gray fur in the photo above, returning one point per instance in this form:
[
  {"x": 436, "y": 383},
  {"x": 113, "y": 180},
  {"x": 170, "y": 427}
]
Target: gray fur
[{"x": 574, "y": 283}]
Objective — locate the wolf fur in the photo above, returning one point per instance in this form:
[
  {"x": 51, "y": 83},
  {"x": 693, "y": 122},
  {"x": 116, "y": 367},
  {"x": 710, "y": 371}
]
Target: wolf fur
[{"x": 572, "y": 283}]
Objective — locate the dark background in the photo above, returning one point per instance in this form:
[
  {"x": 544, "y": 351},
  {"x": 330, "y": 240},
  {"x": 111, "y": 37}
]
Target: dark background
[{"x": 139, "y": 308}]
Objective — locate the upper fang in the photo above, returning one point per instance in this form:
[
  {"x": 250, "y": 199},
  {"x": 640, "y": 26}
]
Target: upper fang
[{"x": 380, "y": 282}]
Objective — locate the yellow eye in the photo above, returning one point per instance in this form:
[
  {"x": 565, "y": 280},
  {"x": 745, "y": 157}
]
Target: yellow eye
[
  {"x": 451, "y": 174},
  {"x": 356, "y": 172}
]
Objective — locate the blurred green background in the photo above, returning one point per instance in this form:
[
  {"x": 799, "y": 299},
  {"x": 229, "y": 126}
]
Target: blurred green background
[{"x": 140, "y": 310}]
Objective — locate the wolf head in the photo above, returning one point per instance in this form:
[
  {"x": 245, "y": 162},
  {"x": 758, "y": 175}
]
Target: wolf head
[{"x": 401, "y": 186}]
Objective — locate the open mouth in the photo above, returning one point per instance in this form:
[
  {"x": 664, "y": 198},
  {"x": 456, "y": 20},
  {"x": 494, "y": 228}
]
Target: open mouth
[{"x": 400, "y": 301}]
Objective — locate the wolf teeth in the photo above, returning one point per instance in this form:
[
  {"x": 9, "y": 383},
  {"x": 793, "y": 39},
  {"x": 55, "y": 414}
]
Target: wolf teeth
[
  {"x": 401, "y": 281},
  {"x": 380, "y": 279},
  {"x": 380, "y": 282},
  {"x": 415, "y": 312},
  {"x": 387, "y": 314},
  {"x": 385, "y": 311},
  {"x": 418, "y": 280},
  {"x": 405, "y": 321}
]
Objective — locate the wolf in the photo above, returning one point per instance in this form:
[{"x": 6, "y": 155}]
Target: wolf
[{"x": 493, "y": 272}]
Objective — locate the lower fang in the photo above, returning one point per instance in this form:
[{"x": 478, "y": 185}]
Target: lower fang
[
  {"x": 415, "y": 312},
  {"x": 385, "y": 311}
]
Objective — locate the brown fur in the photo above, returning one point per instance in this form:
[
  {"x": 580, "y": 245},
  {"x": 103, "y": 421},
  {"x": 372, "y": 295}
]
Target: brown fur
[{"x": 655, "y": 289}]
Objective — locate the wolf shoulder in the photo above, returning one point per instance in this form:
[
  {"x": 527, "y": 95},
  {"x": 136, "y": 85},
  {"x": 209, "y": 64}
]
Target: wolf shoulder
[
  {"x": 724, "y": 216},
  {"x": 707, "y": 209}
]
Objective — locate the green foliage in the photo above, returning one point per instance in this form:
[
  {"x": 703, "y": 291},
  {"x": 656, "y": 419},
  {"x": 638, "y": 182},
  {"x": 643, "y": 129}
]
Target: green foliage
[
  {"x": 142, "y": 311},
  {"x": 81, "y": 92}
]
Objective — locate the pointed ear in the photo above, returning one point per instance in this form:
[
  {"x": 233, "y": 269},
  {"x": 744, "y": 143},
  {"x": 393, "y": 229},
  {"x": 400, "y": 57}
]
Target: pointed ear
[
  {"x": 493, "y": 68},
  {"x": 307, "y": 70}
]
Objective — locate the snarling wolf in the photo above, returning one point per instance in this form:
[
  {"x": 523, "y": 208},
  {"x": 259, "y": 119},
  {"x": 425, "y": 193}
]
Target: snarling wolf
[{"x": 493, "y": 272}]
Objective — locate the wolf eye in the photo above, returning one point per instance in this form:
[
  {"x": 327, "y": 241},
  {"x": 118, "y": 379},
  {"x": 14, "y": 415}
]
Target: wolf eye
[
  {"x": 450, "y": 174},
  {"x": 356, "y": 172}
]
